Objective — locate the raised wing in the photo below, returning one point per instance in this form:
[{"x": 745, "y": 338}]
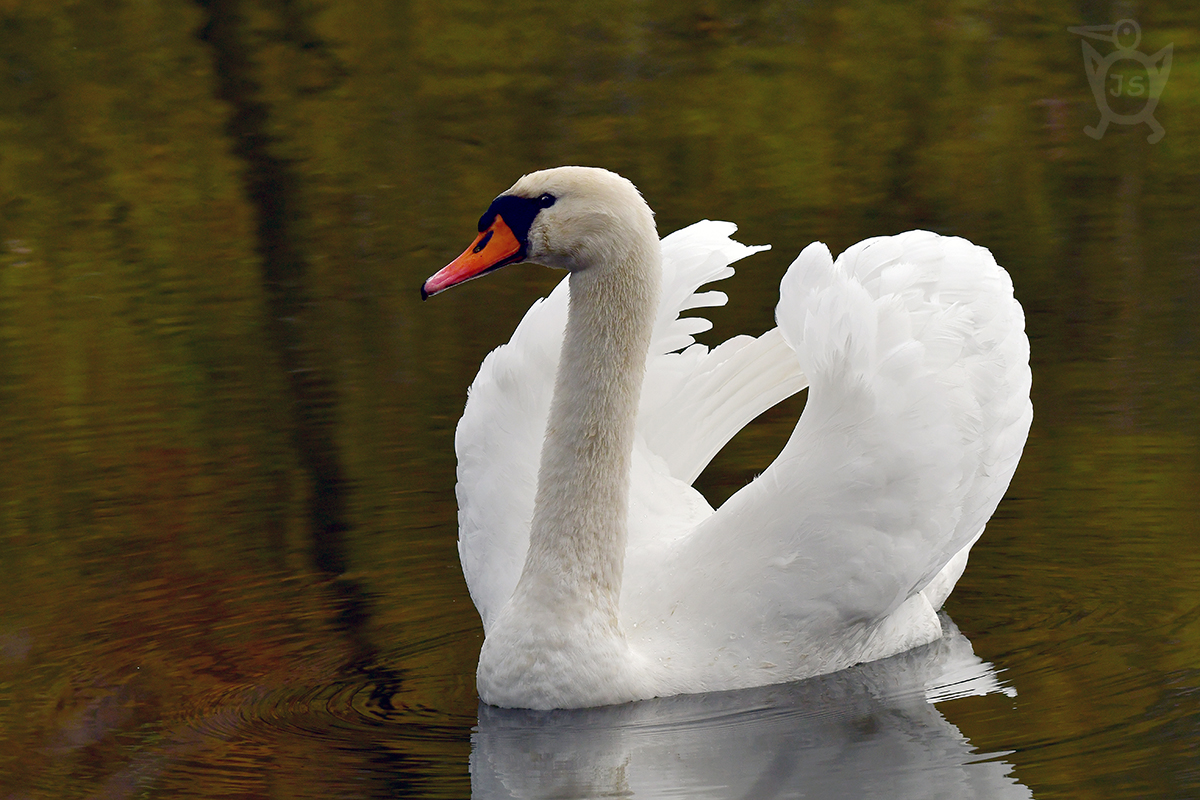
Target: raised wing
[
  {"x": 918, "y": 410},
  {"x": 694, "y": 399}
]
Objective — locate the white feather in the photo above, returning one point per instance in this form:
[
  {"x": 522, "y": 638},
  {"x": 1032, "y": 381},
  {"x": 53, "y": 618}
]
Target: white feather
[{"x": 842, "y": 550}]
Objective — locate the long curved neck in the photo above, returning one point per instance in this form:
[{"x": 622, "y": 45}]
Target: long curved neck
[{"x": 577, "y": 538}]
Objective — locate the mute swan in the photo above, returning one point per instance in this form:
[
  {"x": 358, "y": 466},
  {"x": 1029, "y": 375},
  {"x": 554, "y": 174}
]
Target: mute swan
[{"x": 600, "y": 574}]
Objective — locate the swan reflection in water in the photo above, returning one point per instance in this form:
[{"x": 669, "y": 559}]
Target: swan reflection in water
[{"x": 870, "y": 731}]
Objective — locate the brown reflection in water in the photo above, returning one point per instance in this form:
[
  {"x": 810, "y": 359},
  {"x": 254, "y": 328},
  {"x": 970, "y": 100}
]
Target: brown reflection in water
[{"x": 273, "y": 188}]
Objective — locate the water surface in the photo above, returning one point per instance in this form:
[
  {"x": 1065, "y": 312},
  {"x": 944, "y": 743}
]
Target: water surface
[{"x": 227, "y": 520}]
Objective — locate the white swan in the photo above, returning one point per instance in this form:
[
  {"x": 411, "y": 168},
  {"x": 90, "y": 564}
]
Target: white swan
[{"x": 601, "y": 575}]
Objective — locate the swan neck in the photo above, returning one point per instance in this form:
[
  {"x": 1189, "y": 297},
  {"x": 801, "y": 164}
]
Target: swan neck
[{"x": 578, "y": 533}]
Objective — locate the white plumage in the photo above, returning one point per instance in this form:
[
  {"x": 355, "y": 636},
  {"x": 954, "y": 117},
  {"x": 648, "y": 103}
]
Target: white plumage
[{"x": 914, "y": 352}]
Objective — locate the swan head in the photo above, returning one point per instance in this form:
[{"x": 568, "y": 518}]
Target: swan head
[{"x": 572, "y": 218}]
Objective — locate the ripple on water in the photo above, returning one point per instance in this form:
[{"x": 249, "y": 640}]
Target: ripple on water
[
  {"x": 321, "y": 731},
  {"x": 1085, "y": 649}
]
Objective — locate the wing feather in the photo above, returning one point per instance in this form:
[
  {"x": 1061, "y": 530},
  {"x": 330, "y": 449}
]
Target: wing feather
[{"x": 917, "y": 413}]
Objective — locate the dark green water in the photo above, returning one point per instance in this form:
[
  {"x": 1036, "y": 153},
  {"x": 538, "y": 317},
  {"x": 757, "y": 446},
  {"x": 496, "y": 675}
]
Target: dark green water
[{"x": 227, "y": 519}]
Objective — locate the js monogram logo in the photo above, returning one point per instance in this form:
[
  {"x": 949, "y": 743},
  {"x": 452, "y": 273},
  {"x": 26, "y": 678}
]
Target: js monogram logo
[{"x": 1125, "y": 36}]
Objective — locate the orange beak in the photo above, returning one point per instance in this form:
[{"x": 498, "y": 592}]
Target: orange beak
[{"x": 492, "y": 249}]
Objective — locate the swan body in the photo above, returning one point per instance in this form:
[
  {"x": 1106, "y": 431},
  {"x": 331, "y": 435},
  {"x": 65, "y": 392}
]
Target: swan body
[{"x": 600, "y": 574}]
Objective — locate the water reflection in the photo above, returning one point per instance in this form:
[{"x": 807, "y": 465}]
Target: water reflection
[{"x": 869, "y": 731}]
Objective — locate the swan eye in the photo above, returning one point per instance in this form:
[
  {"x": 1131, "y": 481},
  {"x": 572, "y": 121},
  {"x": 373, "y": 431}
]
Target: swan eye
[
  {"x": 546, "y": 200},
  {"x": 487, "y": 237}
]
